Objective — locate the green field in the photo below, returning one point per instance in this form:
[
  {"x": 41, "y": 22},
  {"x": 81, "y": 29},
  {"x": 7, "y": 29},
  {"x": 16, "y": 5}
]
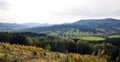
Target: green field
[
  {"x": 114, "y": 36},
  {"x": 92, "y": 38}
]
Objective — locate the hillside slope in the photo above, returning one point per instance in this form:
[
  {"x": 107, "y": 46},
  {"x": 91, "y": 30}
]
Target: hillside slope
[
  {"x": 83, "y": 27},
  {"x": 21, "y": 53}
]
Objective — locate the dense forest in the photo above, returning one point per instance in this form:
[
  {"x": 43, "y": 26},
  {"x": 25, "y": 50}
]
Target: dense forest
[{"x": 104, "y": 47}]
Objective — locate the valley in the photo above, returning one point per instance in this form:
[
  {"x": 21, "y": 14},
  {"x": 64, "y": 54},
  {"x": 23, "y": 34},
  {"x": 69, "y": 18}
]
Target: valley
[{"x": 86, "y": 40}]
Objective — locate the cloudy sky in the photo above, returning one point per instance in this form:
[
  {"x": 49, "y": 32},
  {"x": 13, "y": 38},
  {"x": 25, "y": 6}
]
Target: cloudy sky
[{"x": 57, "y": 11}]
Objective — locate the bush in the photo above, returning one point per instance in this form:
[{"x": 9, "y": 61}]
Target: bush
[
  {"x": 48, "y": 47},
  {"x": 34, "y": 52},
  {"x": 106, "y": 50},
  {"x": 83, "y": 47}
]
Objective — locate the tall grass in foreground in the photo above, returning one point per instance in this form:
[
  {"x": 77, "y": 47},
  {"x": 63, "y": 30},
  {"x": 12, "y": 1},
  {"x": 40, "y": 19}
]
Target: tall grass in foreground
[
  {"x": 83, "y": 58},
  {"x": 22, "y": 53}
]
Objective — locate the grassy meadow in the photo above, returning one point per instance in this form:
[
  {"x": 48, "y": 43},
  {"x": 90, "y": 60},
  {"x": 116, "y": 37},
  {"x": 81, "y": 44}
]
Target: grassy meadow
[
  {"x": 21, "y": 53},
  {"x": 92, "y": 38}
]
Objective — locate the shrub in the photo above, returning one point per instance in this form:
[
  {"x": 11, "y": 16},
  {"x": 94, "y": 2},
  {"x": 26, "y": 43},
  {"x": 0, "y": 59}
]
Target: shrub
[{"x": 83, "y": 47}]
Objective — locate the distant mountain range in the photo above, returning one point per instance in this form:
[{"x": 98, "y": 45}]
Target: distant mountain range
[
  {"x": 31, "y": 25},
  {"x": 10, "y": 26},
  {"x": 82, "y": 27},
  {"x": 100, "y": 27},
  {"x": 15, "y": 26}
]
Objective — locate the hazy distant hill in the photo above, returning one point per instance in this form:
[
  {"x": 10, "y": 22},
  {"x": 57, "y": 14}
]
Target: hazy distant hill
[
  {"x": 15, "y": 26},
  {"x": 11, "y": 26},
  {"x": 82, "y": 27},
  {"x": 30, "y": 25}
]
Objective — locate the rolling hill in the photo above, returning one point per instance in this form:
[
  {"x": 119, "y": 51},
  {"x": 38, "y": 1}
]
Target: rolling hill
[{"x": 102, "y": 27}]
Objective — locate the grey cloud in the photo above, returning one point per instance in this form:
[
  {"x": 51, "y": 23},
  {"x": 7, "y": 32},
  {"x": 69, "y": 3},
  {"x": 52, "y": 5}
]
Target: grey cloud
[
  {"x": 88, "y": 12},
  {"x": 99, "y": 8},
  {"x": 94, "y": 12},
  {"x": 4, "y": 5},
  {"x": 117, "y": 12}
]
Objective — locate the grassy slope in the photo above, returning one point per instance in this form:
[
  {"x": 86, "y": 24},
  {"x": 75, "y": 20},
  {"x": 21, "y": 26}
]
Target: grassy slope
[
  {"x": 18, "y": 53},
  {"x": 92, "y": 38}
]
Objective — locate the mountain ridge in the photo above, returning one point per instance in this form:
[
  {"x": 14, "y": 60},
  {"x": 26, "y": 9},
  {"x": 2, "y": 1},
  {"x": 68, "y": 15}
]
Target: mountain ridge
[
  {"x": 103, "y": 26},
  {"x": 12, "y": 26}
]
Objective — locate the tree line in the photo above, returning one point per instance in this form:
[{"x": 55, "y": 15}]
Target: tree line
[{"x": 108, "y": 48}]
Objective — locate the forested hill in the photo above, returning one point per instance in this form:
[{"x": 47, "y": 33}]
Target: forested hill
[
  {"x": 82, "y": 27},
  {"x": 108, "y": 23}
]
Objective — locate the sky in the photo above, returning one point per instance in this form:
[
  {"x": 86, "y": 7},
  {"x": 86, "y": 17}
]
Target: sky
[{"x": 57, "y": 11}]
